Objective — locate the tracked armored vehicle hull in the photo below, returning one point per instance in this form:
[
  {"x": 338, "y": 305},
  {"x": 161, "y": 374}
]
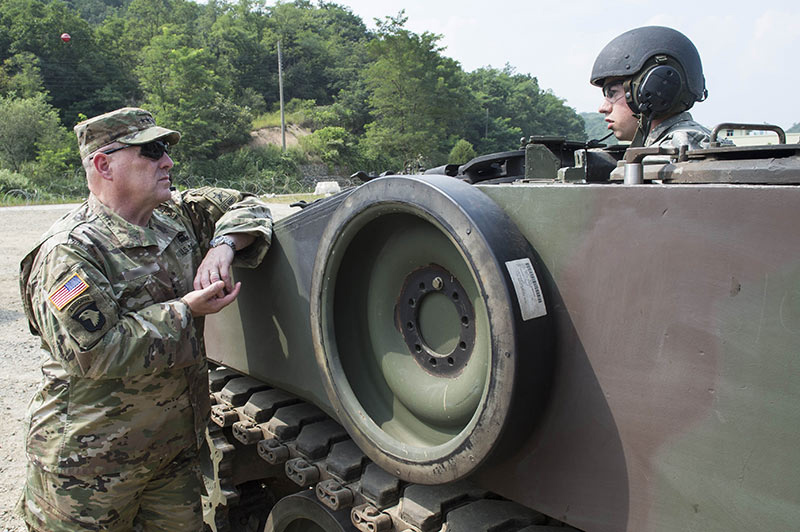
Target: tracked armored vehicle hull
[{"x": 550, "y": 348}]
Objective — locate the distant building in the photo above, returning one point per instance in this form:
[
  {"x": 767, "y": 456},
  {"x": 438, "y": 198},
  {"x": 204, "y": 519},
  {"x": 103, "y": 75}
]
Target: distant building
[{"x": 756, "y": 138}]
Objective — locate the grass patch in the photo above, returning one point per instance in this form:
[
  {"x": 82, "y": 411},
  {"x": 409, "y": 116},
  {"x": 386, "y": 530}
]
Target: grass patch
[
  {"x": 298, "y": 112},
  {"x": 10, "y": 200},
  {"x": 267, "y": 120},
  {"x": 300, "y": 118}
]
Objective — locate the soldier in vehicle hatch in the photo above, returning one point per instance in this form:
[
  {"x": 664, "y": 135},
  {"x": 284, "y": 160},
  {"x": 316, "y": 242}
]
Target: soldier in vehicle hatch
[
  {"x": 651, "y": 77},
  {"x": 117, "y": 290}
]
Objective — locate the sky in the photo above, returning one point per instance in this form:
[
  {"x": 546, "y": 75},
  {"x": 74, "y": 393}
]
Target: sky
[{"x": 750, "y": 49}]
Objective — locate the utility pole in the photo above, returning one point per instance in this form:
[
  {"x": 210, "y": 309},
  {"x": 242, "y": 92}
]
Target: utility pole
[{"x": 280, "y": 90}]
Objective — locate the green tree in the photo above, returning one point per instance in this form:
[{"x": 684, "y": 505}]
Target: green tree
[
  {"x": 28, "y": 126},
  {"x": 461, "y": 153},
  {"x": 515, "y": 105},
  {"x": 145, "y": 19},
  {"x": 333, "y": 145},
  {"x": 183, "y": 90},
  {"x": 79, "y": 75},
  {"x": 794, "y": 129},
  {"x": 96, "y": 11},
  {"x": 351, "y": 108},
  {"x": 21, "y": 76},
  {"x": 35, "y": 145},
  {"x": 127, "y": 32},
  {"x": 321, "y": 49},
  {"x": 234, "y": 35},
  {"x": 418, "y": 96}
]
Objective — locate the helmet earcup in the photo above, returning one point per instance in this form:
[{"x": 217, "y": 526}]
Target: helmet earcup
[{"x": 659, "y": 90}]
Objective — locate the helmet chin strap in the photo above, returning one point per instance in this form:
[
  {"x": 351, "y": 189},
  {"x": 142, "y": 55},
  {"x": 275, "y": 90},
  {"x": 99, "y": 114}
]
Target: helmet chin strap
[
  {"x": 645, "y": 118},
  {"x": 645, "y": 121}
]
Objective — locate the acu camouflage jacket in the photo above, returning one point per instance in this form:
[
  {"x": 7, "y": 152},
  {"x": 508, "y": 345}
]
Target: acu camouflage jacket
[
  {"x": 125, "y": 375},
  {"x": 679, "y": 130}
]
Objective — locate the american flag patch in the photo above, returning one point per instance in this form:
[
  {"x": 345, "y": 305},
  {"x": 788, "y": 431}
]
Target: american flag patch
[{"x": 72, "y": 288}]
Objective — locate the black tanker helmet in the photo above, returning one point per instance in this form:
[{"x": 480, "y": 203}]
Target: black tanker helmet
[{"x": 660, "y": 67}]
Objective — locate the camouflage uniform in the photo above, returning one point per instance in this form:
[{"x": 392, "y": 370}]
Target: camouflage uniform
[
  {"x": 123, "y": 405},
  {"x": 679, "y": 130}
]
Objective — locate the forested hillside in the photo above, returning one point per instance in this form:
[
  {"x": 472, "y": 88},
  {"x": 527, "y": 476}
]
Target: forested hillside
[
  {"x": 596, "y": 127},
  {"x": 382, "y": 99}
]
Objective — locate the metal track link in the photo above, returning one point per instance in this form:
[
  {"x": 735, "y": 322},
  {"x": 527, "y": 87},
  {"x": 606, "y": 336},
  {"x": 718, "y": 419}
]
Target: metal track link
[
  {"x": 317, "y": 453},
  {"x": 220, "y": 493},
  {"x": 424, "y": 507}
]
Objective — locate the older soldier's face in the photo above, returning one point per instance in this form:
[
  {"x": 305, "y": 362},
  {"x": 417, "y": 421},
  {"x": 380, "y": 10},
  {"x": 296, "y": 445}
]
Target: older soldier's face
[
  {"x": 619, "y": 116},
  {"x": 142, "y": 180}
]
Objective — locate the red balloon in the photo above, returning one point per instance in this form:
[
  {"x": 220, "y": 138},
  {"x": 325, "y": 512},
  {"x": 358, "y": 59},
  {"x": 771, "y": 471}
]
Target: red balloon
[{"x": 65, "y": 37}]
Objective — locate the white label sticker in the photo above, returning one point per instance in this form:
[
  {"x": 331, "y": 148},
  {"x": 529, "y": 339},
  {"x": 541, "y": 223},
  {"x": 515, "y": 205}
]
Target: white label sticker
[{"x": 529, "y": 293}]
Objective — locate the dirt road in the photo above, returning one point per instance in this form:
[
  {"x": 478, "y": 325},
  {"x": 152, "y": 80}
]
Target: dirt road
[{"x": 19, "y": 355}]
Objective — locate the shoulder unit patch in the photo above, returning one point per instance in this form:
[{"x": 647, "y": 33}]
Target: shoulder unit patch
[{"x": 90, "y": 317}]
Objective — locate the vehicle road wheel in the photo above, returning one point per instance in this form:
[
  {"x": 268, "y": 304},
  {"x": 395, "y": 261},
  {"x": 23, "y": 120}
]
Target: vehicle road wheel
[
  {"x": 303, "y": 512},
  {"x": 430, "y": 326}
]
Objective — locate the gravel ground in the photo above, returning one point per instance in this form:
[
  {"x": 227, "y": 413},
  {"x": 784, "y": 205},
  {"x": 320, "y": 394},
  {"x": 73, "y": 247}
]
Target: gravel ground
[{"x": 18, "y": 348}]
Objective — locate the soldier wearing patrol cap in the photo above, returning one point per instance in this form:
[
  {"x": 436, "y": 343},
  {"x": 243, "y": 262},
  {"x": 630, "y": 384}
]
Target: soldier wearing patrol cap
[
  {"x": 651, "y": 77},
  {"x": 116, "y": 290}
]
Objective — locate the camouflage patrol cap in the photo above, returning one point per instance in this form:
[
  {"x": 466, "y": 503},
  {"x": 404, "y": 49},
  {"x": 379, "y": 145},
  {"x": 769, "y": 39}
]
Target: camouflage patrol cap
[{"x": 128, "y": 125}]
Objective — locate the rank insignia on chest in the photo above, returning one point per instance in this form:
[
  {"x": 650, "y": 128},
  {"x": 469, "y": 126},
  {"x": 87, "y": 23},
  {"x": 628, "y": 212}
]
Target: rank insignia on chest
[
  {"x": 90, "y": 317},
  {"x": 68, "y": 291}
]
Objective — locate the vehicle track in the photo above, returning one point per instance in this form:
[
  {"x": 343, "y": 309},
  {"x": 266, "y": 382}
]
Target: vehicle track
[{"x": 335, "y": 485}]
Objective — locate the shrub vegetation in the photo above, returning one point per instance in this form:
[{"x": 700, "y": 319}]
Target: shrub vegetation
[{"x": 374, "y": 100}]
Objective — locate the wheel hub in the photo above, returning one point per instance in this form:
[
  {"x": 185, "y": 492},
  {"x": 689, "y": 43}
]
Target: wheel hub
[{"x": 436, "y": 319}]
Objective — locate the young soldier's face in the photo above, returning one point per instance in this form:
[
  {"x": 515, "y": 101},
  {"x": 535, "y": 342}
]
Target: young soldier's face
[{"x": 619, "y": 116}]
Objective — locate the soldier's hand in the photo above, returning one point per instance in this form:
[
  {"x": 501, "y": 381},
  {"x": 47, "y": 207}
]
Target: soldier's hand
[
  {"x": 216, "y": 266},
  {"x": 210, "y": 299}
]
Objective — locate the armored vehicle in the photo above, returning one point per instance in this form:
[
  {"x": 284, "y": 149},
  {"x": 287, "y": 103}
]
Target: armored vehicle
[{"x": 554, "y": 338}]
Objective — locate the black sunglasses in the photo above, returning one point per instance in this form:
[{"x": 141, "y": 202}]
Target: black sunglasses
[{"x": 152, "y": 150}]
